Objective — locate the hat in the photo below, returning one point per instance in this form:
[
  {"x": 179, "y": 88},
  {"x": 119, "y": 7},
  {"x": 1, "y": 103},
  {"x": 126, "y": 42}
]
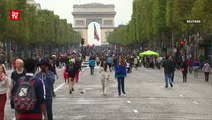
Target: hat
[{"x": 43, "y": 62}]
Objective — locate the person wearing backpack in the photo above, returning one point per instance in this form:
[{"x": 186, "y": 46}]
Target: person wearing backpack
[
  {"x": 92, "y": 63},
  {"x": 29, "y": 99},
  {"x": 16, "y": 74},
  {"x": 4, "y": 86},
  {"x": 48, "y": 78},
  {"x": 71, "y": 69}
]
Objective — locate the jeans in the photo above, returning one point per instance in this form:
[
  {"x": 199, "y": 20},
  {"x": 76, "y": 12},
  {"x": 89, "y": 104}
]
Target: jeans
[
  {"x": 168, "y": 79},
  {"x": 92, "y": 70},
  {"x": 206, "y": 76},
  {"x": 49, "y": 108},
  {"x": 3, "y": 98},
  {"x": 196, "y": 70},
  {"x": 172, "y": 76},
  {"x": 121, "y": 85},
  {"x": 110, "y": 65},
  {"x": 184, "y": 76}
]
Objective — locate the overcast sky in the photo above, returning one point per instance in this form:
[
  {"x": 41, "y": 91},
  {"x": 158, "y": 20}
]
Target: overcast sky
[{"x": 63, "y": 8}]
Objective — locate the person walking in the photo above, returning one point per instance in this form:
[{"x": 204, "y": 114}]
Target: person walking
[
  {"x": 167, "y": 72},
  {"x": 52, "y": 67},
  {"x": 105, "y": 74},
  {"x": 184, "y": 69},
  {"x": 120, "y": 74},
  {"x": 97, "y": 60},
  {"x": 71, "y": 69},
  {"x": 190, "y": 65},
  {"x": 110, "y": 62},
  {"x": 4, "y": 86},
  {"x": 78, "y": 63},
  {"x": 136, "y": 62},
  {"x": 39, "y": 111},
  {"x": 206, "y": 69},
  {"x": 65, "y": 75},
  {"x": 15, "y": 75},
  {"x": 173, "y": 66},
  {"x": 92, "y": 63},
  {"x": 48, "y": 79},
  {"x": 196, "y": 67}
]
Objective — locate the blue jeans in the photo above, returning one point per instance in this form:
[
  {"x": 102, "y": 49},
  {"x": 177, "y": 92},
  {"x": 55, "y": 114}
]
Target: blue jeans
[
  {"x": 92, "y": 70},
  {"x": 168, "y": 79},
  {"x": 121, "y": 85},
  {"x": 49, "y": 108}
]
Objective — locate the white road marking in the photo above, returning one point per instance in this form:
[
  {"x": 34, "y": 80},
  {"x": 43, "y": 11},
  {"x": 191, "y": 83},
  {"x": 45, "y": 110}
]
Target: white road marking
[
  {"x": 181, "y": 96},
  {"x": 128, "y": 101},
  {"x": 89, "y": 88},
  {"x": 151, "y": 98},
  {"x": 135, "y": 111},
  {"x": 61, "y": 85},
  {"x": 195, "y": 102}
]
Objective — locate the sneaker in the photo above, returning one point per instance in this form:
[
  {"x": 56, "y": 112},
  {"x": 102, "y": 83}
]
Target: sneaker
[
  {"x": 166, "y": 86},
  {"x": 171, "y": 85},
  {"x": 72, "y": 89}
]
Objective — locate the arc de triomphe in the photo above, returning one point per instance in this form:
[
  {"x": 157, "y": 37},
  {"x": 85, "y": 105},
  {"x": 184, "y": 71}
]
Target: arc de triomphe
[{"x": 94, "y": 12}]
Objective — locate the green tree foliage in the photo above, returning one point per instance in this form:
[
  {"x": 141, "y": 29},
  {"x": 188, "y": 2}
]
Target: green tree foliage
[
  {"x": 35, "y": 27},
  {"x": 160, "y": 20}
]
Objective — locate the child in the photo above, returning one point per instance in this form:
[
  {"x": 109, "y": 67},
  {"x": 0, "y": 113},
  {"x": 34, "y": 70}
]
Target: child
[{"x": 65, "y": 75}]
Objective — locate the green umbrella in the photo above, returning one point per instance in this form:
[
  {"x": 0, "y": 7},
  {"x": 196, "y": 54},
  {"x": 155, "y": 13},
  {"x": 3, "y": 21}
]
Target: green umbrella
[{"x": 149, "y": 53}]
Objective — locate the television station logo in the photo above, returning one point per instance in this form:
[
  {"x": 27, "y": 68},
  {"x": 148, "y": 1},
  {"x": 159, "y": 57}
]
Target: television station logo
[{"x": 15, "y": 15}]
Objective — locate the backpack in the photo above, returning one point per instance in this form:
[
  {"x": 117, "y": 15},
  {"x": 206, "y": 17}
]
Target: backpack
[
  {"x": 25, "y": 98},
  {"x": 91, "y": 63},
  {"x": 70, "y": 68}
]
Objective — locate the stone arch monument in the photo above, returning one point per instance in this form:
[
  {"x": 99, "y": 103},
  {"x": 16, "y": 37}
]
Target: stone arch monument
[{"x": 94, "y": 12}]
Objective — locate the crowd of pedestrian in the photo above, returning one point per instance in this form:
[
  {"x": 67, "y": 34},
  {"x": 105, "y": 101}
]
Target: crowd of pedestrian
[{"x": 31, "y": 88}]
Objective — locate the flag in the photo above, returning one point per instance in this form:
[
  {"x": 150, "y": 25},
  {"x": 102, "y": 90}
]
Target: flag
[{"x": 96, "y": 36}]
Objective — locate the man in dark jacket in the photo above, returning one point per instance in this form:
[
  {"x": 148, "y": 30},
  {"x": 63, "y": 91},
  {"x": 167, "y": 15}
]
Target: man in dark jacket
[
  {"x": 48, "y": 79},
  {"x": 52, "y": 68},
  {"x": 173, "y": 66},
  {"x": 167, "y": 71}
]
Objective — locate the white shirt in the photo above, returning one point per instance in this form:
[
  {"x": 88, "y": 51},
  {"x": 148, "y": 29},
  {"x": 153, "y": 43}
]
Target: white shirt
[
  {"x": 104, "y": 75},
  {"x": 4, "y": 85}
]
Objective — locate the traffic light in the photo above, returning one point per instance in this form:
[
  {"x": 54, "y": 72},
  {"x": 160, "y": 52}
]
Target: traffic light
[
  {"x": 82, "y": 41},
  {"x": 182, "y": 42},
  {"x": 177, "y": 43}
]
